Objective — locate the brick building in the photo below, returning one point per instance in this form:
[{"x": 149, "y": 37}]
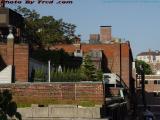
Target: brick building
[
  {"x": 152, "y": 93},
  {"x": 116, "y": 56},
  {"x": 152, "y": 58},
  {"x": 11, "y": 53},
  {"x": 111, "y": 56},
  {"x": 16, "y": 55},
  {"x": 105, "y": 35},
  {"x": 149, "y": 57}
]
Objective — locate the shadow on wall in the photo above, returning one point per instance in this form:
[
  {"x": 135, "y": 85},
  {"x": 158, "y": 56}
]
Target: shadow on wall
[
  {"x": 8, "y": 108},
  {"x": 2, "y": 63},
  {"x": 57, "y": 57},
  {"x": 152, "y": 98},
  {"x": 104, "y": 64}
]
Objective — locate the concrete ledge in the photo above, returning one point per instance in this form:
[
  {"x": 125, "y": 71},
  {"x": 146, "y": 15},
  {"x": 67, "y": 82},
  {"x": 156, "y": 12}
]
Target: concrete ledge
[
  {"x": 40, "y": 112},
  {"x": 25, "y": 112},
  {"x": 63, "y": 119},
  {"x": 63, "y": 106},
  {"x": 60, "y": 111},
  {"x": 96, "y": 112},
  {"x": 84, "y": 113}
]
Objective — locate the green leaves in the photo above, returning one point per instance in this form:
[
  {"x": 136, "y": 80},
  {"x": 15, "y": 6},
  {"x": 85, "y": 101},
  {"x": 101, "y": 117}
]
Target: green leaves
[
  {"x": 68, "y": 75},
  {"x": 89, "y": 71},
  {"x": 5, "y": 102},
  {"x": 39, "y": 75},
  {"x": 147, "y": 68},
  {"x": 45, "y": 30}
]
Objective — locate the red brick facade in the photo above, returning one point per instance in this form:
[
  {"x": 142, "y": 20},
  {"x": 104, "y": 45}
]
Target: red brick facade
[
  {"x": 152, "y": 83},
  {"x": 117, "y": 57},
  {"x": 94, "y": 37},
  {"x": 40, "y": 92},
  {"x": 17, "y": 55},
  {"x": 105, "y": 33}
]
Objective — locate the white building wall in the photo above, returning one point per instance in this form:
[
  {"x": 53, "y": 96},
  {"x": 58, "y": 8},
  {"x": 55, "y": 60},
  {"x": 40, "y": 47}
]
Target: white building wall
[
  {"x": 6, "y": 75},
  {"x": 158, "y": 59},
  {"x": 146, "y": 58}
]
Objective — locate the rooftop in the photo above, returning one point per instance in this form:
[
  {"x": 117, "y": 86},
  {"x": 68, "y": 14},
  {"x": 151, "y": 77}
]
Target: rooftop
[
  {"x": 106, "y": 26},
  {"x": 154, "y": 53}
]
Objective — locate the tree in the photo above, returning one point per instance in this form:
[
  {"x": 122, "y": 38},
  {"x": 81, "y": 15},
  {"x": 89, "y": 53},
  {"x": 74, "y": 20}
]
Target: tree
[
  {"x": 8, "y": 108},
  {"x": 46, "y": 30},
  {"x": 69, "y": 30},
  {"x": 99, "y": 75},
  {"x": 39, "y": 75},
  {"x": 30, "y": 27},
  {"x": 49, "y": 30},
  {"x": 88, "y": 69},
  {"x": 147, "y": 68}
]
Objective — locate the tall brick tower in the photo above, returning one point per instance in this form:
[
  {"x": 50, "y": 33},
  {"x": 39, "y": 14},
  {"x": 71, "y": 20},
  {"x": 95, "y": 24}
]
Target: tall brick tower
[
  {"x": 105, "y": 34},
  {"x": 10, "y": 53},
  {"x": 10, "y": 48}
]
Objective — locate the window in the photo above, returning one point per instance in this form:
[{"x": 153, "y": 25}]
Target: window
[
  {"x": 156, "y": 94},
  {"x": 155, "y": 81},
  {"x": 78, "y": 51},
  {"x": 146, "y": 82}
]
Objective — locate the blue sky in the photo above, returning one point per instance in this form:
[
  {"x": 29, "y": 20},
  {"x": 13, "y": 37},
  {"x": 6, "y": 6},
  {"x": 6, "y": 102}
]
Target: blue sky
[{"x": 138, "y": 22}]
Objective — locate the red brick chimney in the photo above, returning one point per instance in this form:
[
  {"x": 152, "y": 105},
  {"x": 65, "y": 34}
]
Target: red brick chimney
[
  {"x": 94, "y": 36},
  {"x": 105, "y": 34}
]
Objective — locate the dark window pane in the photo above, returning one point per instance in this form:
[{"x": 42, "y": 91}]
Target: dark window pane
[
  {"x": 146, "y": 81},
  {"x": 155, "y": 81}
]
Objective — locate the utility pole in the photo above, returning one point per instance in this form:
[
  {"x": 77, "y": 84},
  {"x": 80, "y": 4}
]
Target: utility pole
[
  {"x": 49, "y": 71},
  {"x": 143, "y": 86}
]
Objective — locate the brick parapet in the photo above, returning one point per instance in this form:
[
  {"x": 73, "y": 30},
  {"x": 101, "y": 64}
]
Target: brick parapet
[{"x": 33, "y": 92}]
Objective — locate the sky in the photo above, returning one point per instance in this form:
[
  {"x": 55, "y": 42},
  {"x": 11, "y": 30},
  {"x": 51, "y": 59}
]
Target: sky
[{"x": 135, "y": 20}]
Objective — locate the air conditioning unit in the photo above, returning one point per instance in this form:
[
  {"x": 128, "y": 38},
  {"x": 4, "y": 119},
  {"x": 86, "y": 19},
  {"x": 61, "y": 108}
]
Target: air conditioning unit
[
  {"x": 111, "y": 78},
  {"x": 78, "y": 53}
]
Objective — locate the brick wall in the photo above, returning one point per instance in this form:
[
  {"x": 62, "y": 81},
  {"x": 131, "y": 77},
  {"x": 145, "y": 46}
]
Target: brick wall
[
  {"x": 17, "y": 55},
  {"x": 151, "y": 84},
  {"x": 94, "y": 36},
  {"x": 117, "y": 57},
  {"x": 105, "y": 33},
  {"x": 49, "y": 92},
  {"x": 21, "y": 62},
  {"x": 126, "y": 64}
]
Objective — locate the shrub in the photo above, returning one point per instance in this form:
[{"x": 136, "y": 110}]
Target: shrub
[{"x": 39, "y": 75}]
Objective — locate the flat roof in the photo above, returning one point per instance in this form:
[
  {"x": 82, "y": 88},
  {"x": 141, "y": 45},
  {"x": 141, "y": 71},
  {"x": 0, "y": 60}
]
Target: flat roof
[{"x": 106, "y": 26}]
